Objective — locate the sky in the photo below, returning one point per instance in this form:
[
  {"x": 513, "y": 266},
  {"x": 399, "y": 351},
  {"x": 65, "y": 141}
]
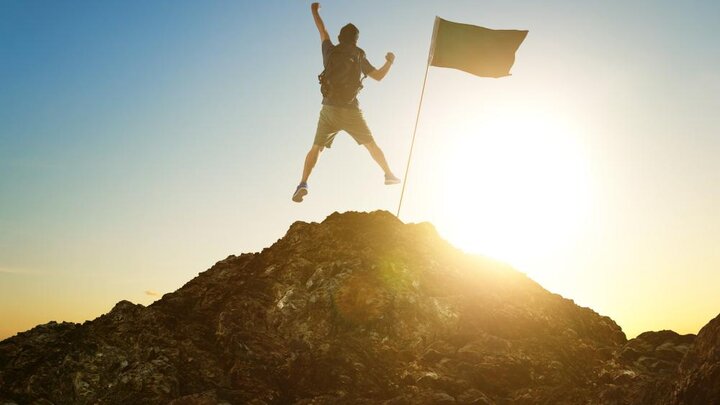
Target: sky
[{"x": 141, "y": 142}]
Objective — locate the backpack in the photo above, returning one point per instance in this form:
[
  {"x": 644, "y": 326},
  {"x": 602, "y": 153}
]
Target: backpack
[{"x": 341, "y": 80}]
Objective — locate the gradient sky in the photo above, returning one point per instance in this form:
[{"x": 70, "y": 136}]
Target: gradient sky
[{"x": 140, "y": 142}]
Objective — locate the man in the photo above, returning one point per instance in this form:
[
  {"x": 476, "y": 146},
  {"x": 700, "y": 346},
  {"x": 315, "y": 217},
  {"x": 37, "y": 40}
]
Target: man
[{"x": 340, "y": 108}]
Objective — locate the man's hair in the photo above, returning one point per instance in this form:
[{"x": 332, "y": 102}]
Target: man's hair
[{"x": 349, "y": 34}]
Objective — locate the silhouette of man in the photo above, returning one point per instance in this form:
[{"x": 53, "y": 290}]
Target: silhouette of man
[{"x": 339, "y": 114}]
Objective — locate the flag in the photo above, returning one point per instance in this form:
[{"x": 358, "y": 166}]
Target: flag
[{"x": 477, "y": 50}]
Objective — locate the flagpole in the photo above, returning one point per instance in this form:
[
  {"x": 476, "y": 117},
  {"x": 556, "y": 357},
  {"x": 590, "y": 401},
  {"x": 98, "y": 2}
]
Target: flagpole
[
  {"x": 412, "y": 143},
  {"x": 417, "y": 117}
]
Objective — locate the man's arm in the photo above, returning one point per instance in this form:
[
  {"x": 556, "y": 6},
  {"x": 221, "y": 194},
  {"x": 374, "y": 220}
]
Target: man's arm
[
  {"x": 319, "y": 22},
  {"x": 379, "y": 74}
]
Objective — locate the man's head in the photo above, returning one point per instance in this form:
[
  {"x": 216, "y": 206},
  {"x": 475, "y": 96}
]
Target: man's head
[{"x": 349, "y": 34}]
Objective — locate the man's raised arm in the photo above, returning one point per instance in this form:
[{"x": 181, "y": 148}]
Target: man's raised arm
[
  {"x": 319, "y": 22},
  {"x": 380, "y": 73}
]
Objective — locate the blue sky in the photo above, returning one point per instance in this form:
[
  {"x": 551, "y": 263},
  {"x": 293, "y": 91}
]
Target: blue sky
[{"x": 141, "y": 142}]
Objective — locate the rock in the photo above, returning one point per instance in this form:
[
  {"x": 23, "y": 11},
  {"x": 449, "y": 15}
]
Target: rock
[
  {"x": 359, "y": 309},
  {"x": 699, "y": 381}
]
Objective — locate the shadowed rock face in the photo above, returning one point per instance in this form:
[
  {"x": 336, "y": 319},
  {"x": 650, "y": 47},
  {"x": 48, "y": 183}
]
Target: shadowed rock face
[
  {"x": 699, "y": 381},
  {"x": 360, "y": 308}
]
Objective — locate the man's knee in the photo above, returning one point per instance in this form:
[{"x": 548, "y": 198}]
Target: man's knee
[
  {"x": 316, "y": 149},
  {"x": 371, "y": 145}
]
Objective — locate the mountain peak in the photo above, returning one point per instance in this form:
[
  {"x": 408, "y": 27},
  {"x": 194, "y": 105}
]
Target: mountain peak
[{"x": 360, "y": 308}]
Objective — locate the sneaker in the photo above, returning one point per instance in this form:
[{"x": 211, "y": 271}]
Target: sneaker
[
  {"x": 391, "y": 179},
  {"x": 300, "y": 192}
]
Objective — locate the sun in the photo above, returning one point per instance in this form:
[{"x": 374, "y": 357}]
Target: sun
[{"x": 517, "y": 189}]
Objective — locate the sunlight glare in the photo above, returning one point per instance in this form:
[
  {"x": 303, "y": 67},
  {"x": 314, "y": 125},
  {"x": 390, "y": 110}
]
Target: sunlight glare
[{"x": 517, "y": 190}]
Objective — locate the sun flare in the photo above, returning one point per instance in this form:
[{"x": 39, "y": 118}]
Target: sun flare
[{"x": 518, "y": 189}]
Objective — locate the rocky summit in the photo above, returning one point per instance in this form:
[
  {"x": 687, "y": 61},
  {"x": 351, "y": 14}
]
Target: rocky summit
[{"x": 358, "y": 309}]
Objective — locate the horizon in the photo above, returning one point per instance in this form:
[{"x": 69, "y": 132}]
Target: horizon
[{"x": 140, "y": 144}]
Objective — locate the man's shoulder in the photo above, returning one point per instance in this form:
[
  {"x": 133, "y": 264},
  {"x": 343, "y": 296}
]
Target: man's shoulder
[{"x": 360, "y": 51}]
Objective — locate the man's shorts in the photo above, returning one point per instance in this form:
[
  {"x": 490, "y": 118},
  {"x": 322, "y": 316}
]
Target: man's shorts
[{"x": 335, "y": 119}]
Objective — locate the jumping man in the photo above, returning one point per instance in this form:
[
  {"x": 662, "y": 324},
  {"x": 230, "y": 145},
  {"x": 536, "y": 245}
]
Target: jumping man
[{"x": 341, "y": 81}]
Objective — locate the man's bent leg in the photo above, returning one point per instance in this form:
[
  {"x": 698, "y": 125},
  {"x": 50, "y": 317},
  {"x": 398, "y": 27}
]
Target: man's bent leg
[
  {"x": 310, "y": 160},
  {"x": 379, "y": 157}
]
